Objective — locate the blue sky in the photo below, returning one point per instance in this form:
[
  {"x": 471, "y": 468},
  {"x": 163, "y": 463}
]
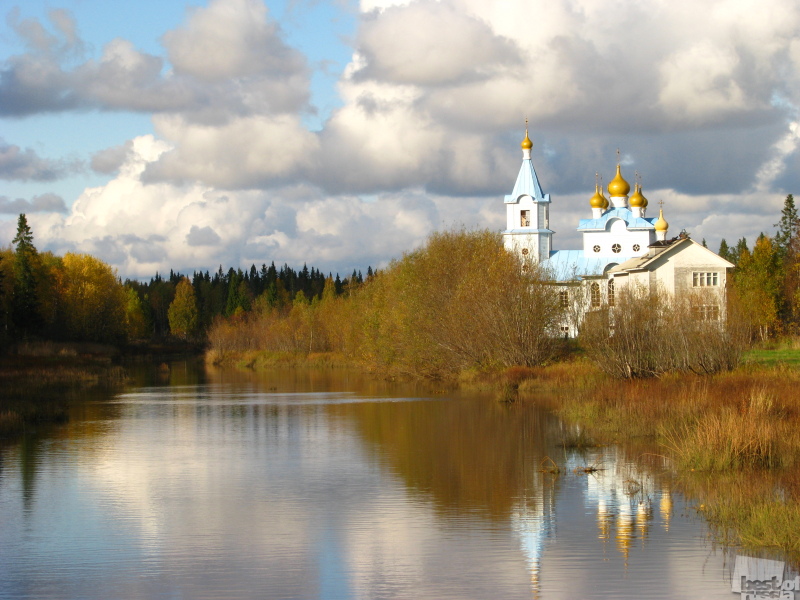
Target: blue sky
[{"x": 185, "y": 135}]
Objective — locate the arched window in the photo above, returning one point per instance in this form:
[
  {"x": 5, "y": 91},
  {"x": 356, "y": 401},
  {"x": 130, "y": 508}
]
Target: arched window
[
  {"x": 595, "y": 295},
  {"x": 611, "y": 292}
]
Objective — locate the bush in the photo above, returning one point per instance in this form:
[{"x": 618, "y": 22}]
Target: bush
[
  {"x": 647, "y": 334},
  {"x": 460, "y": 302}
]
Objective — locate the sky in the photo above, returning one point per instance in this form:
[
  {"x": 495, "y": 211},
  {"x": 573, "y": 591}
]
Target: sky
[{"x": 187, "y": 135}]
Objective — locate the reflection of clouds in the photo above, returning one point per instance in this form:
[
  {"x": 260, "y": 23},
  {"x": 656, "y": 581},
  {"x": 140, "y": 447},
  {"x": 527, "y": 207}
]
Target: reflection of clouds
[{"x": 218, "y": 494}]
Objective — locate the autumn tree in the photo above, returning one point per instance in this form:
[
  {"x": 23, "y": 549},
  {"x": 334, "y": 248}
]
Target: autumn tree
[
  {"x": 757, "y": 286},
  {"x": 93, "y": 300},
  {"x": 136, "y": 326},
  {"x": 183, "y": 314}
]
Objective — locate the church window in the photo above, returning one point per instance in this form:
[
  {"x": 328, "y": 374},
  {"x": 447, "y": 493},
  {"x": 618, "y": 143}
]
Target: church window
[
  {"x": 595, "y": 295},
  {"x": 616, "y": 248},
  {"x": 700, "y": 279},
  {"x": 525, "y": 218},
  {"x": 596, "y": 248},
  {"x": 636, "y": 247},
  {"x": 524, "y": 252},
  {"x": 611, "y": 292},
  {"x": 563, "y": 298}
]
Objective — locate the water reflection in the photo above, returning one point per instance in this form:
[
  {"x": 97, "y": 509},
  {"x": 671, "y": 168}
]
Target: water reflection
[{"x": 329, "y": 485}]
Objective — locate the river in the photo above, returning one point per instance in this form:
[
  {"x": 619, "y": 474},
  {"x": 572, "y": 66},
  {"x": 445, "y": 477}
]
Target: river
[{"x": 195, "y": 484}]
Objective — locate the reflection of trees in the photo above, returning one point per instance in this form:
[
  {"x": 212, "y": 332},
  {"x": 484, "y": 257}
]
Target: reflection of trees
[{"x": 474, "y": 455}]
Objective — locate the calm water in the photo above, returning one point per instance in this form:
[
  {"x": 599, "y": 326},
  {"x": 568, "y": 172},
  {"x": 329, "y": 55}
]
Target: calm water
[{"x": 305, "y": 485}]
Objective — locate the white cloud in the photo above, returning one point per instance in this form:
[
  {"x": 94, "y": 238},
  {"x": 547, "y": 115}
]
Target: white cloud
[
  {"x": 230, "y": 39},
  {"x": 245, "y": 152}
]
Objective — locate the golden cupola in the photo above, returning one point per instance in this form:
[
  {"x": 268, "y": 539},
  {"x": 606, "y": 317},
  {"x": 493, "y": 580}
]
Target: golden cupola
[
  {"x": 637, "y": 200},
  {"x": 618, "y": 186},
  {"x": 661, "y": 224},
  {"x": 598, "y": 200},
  {"x": 526, "y": 144}
]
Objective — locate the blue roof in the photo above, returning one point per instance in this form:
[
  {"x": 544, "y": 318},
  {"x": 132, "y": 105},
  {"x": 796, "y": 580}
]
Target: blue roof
[
  {"x": 617, "y": 213},
  {"x": 571, "y": 265},
  {"x": 527, "y": 185}
]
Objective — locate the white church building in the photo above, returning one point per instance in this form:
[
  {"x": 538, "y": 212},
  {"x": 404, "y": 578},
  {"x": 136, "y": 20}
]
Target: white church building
[{"x": 621, "y": 246}]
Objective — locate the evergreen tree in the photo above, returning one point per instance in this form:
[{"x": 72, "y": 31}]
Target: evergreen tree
[
  {"x": 725, "y": 251},
  {"x": 788, "y": 227},
  {"x": 25, "y": 308},
  {"x": 741, "y": 248}
]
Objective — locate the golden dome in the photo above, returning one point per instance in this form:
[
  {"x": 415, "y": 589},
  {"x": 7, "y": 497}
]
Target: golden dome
[
  {"x": 605, "y": 200},
  {"x": 598, "y": 200},
  {"x": 618, "y": 186},
  {"x": 661, "y": 224},
  {"x": 636, "y": 198},
  {"x": 526, "y": 144}
]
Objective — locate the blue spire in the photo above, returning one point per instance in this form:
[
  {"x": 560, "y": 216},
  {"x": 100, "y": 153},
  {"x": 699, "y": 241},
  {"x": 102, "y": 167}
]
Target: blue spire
[{"x": 528, "y": 183}]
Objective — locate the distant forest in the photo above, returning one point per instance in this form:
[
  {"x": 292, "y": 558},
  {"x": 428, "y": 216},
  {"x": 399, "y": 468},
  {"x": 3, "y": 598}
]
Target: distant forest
[
  {"x": 236, "y": 291},
  {"x": 77, "y": 297}
]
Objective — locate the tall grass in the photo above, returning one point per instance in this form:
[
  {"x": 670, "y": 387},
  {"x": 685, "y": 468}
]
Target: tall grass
[{"x": 746, "y": 419}]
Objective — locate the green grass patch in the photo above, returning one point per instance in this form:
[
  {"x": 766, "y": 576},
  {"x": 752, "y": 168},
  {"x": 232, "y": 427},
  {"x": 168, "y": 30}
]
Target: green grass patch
[{"x": 773, "y": 357}]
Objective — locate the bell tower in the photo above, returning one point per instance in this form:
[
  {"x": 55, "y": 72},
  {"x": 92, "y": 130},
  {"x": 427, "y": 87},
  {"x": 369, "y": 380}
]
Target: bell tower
[{"x": 528, "y": 230}]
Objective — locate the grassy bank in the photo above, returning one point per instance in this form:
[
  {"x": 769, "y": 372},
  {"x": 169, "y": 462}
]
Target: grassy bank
[
  {"x": 732, "y": 438},
  {"x": 266, "y": 359}
]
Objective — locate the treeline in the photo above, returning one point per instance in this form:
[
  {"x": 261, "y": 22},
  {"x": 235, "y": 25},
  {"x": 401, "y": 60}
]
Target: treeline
[
  {"x": 766, "y": 280},
  {"x": 230, "y": 293},
  {"x": 77, "y": 297}
]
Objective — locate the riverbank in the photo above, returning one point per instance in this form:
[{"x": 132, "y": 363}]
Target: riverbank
[{"x": 732, "y": 439}]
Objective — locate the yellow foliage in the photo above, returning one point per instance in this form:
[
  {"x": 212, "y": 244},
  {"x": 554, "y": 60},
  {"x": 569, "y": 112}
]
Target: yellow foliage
[
  {"x": 183, "y": 314},
  {"x": 93, "y": 299}
]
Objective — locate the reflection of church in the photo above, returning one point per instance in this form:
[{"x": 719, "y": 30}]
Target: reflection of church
[
  {"x": 625, "y": 500},
  {"x": 622, "y": 246}
]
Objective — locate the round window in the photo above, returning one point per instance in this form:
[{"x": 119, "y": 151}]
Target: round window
[
  {"x": 524, "y": 251},
  {"x": 616, "y": 248},
  {"x": 636, "y": 247},
  {"x": 596, "y": 248}
]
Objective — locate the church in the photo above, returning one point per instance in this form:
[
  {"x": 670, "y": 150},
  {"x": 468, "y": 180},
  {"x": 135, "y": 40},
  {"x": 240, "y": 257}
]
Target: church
[{"x": 622, "y": 246}]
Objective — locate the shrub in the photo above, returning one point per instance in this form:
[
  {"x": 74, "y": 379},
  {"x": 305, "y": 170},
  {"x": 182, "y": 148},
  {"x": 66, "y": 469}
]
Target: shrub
[{"x": 648, "y": 334}]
